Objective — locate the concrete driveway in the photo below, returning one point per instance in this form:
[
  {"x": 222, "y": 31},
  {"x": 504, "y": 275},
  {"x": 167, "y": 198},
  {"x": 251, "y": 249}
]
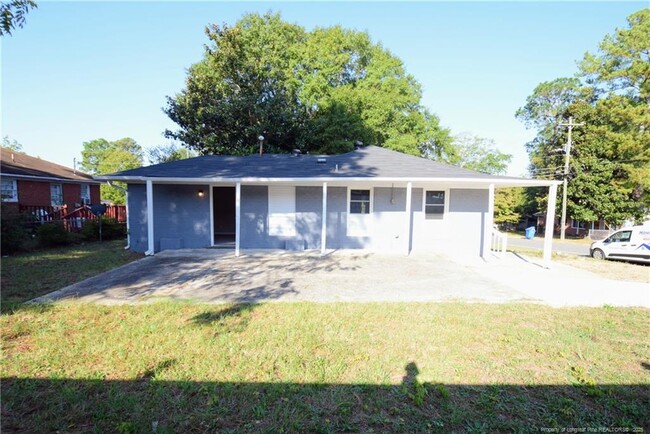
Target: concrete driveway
[
  {"x": 217, "y": 276},
  {"x": 559, "y": 246}
]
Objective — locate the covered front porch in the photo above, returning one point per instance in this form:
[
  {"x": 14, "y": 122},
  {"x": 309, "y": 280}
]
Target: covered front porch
[{"x": 247, "y": 213}]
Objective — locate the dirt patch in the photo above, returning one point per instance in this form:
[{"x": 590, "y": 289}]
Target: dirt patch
[{"x": 614, "y": 270}]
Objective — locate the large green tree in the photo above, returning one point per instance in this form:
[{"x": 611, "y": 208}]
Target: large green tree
[
  {"x": 478, "y": 153},
  {"x": 509, "y": 205},
  {"x": 609, "y": 174},
  {"x": 166, "y": 153},
  {"x": 319, "y": 91},
  {"x": 101, "y": 157}
]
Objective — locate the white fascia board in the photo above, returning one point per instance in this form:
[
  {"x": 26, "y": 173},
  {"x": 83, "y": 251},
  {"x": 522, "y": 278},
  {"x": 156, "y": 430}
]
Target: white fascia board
[
  {"x": 338, "y": 180},
  {"x": 51, "y": 178}
]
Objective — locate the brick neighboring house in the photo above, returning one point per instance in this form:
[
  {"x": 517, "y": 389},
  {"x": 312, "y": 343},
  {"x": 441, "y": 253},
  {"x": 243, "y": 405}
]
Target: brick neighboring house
[
  {"x": 573, "y": 228},
  {"x": 33, "y": 182}
]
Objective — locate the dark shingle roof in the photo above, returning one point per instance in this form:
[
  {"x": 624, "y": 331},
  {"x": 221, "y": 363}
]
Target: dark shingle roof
[
  {"x": 366, "y": 162},
  {"x": 20, "y": 164}
]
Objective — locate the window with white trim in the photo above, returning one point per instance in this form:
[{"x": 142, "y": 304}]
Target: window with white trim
[
  {"x": 359, "y": 201},
  {"x": 434, "y": 204},
  {"x": 575, "y": 224},
  {"x": 85, "y": 193},
  {"x": 9, "y": 190},
  {"x": 56, "y": 194}
]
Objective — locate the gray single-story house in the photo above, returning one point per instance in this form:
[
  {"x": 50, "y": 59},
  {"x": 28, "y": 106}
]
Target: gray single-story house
[{"x": 370, "y": 198}]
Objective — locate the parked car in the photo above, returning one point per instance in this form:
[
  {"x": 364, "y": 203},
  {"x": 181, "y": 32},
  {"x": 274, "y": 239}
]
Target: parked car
[{"x": 629, "y": 244}]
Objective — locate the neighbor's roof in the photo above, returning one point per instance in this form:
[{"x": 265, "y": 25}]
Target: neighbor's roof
[
  {"x": 369, "y": 163},
  {"x": 20, "y": 165}
]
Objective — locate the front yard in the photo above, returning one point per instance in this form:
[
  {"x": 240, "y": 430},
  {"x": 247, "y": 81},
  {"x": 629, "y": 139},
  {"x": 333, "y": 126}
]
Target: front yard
[
  {"x": 309, "y": 367},
  {"x": 26, "y": 276}
]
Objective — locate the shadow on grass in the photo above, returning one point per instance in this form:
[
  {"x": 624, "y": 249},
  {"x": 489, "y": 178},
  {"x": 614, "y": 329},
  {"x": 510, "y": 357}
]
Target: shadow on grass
[
  {"x": 9, "y": 308},
  {"x": 148, "y": 404},
  {"x": 220, "y": 314},
  {"x": 226, "y": 319}
]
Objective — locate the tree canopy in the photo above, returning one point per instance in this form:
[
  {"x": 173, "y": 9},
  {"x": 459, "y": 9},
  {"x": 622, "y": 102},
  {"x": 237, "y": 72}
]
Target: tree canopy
[
  {"x": 101, "y": 157},
  {"x": 13, "y": 14},
  {"x": 318, "y": 91},
  {"x": 166, "y": 153},
  {"x": 12, "y": 144},
  {"x": 609, "y": 174},
  {"x": 478, "y": 153}
]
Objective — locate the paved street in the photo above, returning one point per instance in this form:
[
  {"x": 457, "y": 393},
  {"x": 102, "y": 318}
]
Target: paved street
[{"x": 558, "y": 246}]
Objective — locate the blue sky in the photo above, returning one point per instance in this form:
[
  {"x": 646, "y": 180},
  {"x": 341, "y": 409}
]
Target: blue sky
[{"x": 84, "y": 70}]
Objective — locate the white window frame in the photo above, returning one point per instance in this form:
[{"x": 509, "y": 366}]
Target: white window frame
[
  {"x": 370, "y": 198},
  {"x": 367, "y": 217},
  {"x": 574, "y": 226},
  {"x": 85, "y": 199},
  {"x": 424, "y": 203},
  {"x": 52, "y": 184},
  {"x": 14, "y": 185}
]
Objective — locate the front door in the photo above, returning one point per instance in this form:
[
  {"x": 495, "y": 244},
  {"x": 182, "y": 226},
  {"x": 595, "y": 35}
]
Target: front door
[{"x": 223, "y": 207}]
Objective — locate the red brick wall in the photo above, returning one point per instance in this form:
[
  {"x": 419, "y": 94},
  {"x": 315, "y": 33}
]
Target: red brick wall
[
  {"x": 33, "y": 193},
  {"x": 71, "y": 195},
  {"x": 95, "y": 196},
  {"x": 37, "y": 193}
]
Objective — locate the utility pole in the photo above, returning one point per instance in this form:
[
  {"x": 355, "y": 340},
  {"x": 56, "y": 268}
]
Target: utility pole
[{"x": 567, "y": 156}]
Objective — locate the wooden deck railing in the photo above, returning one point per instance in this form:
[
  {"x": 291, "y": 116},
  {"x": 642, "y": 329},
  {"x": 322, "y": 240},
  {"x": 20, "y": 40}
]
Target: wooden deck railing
[{"x": 71, "y": 219}]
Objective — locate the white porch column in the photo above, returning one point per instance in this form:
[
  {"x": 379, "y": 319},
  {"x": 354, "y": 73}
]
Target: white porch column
[
  {"x": 237, "y": 216},
  {"x": 150, "y": 244},
  {"x": 128, "y": 226},
  {"x": 323, "y": 229},
  {"x": 550, "y": 223},
  {"x": 211, "y": 215},
  {"x": 488, "y": 224},
  {"x": 407, "y": 226}
]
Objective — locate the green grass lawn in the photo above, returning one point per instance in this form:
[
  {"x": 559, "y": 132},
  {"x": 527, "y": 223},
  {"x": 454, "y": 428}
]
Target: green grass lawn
[
  {"x": 26, "y": 276},
  {"x": 307, "y": 367}
]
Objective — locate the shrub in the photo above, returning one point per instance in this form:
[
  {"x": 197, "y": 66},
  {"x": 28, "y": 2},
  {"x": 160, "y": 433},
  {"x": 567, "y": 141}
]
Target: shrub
[
  {"x": 15, "y": 231},
  {"x": 53, "y": 234},
  {"x": 111, "y": 229}
]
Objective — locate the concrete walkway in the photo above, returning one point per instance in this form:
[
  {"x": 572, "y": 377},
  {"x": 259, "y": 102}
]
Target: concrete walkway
[
  {"x": 563, "y": 285},
  {"x": 216, "y": 276}
]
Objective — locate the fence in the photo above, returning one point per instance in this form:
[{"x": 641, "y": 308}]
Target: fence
[{"x": 72, "y": 220}]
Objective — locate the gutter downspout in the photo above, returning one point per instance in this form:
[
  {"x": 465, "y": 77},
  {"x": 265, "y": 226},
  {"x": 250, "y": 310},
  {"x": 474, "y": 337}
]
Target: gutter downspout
[{"x": 128, "y": 230}]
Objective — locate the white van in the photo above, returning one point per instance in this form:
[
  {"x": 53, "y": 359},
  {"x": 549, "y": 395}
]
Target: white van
[{"x": 629, "y": 244}]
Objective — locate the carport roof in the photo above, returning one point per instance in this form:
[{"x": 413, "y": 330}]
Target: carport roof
[{"x": 367, "y": 163}]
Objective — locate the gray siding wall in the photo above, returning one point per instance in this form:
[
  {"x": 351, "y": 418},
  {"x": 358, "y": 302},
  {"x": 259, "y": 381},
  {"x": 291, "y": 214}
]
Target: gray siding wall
[
  {"x": 467, "y": 212},
  {"x": 309, "y": 209},
  {"x": 181, "y": 217},
  {"x": 137, "y": 203},
  {"x": 254, "y": 230},
  {"x": 179, "y": 214},
  {"x": 337, "y": 225},
  {"x": 309, "y": 203}
]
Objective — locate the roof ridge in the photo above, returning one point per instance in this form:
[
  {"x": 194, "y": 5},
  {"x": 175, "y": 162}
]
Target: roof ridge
[{"x": 74, "y": 172}]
